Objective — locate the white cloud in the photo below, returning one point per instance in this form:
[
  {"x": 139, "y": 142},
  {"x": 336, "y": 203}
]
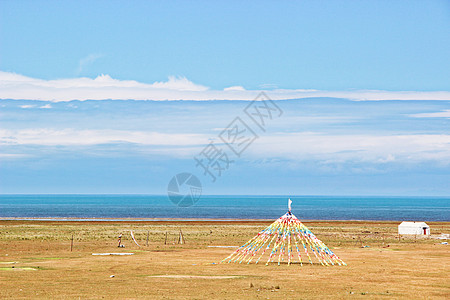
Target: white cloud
[
  {"x": 13, "y": 155},
  {"x": 301, "y": 146},
  {"x": 15, "y": 86},
  {"x": 86, "y": 61},
  {"x": 441, "y": 114},
  {"x": 27, "y": 106},
  {"x": 361, "y": 148},
  {"x": 178, "y": 83},
  {"x": 268, "y": 86},
  {"x": 234, "y": 88},
  {"x": 69, "y": 136},
  {"x": 46, "y": 106}
]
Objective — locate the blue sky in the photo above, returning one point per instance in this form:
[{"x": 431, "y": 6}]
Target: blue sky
[
  {"x": 326, "y": 45},
  {"x": 363, "y": 86}
]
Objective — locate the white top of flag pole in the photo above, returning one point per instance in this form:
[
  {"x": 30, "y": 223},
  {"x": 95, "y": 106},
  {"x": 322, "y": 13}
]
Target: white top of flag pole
[{"x": 289, "y": 204}]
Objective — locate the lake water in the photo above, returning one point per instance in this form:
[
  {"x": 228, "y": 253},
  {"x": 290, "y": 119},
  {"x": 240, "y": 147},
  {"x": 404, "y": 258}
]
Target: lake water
[{"x": 225, "y": 207}]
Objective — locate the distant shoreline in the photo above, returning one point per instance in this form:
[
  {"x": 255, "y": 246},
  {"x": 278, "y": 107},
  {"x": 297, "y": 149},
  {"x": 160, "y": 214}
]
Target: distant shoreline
[{"x": 188, "y": 221}]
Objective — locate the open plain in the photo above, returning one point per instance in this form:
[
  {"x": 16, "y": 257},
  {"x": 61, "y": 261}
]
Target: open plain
[{"x": 36, "y": 261}]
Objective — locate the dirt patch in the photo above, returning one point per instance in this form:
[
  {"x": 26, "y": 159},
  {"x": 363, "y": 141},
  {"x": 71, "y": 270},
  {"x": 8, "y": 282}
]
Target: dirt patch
[
  {"x": 18, "y": 269},
  {"x": 199, "y": 276},
  {"x": 44, "y": 258}
]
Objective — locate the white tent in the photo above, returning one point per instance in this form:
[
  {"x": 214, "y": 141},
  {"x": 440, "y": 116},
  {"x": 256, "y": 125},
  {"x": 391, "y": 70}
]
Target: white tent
[{"x": 417, "y": 228}]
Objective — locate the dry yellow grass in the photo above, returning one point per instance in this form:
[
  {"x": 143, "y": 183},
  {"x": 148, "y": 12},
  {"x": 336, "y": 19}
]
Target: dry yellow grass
[{"x": 44, "y": 267}]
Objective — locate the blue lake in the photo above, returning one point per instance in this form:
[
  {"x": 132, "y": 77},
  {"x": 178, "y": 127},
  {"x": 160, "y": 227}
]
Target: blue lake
[{"x": 229, "y": 207}]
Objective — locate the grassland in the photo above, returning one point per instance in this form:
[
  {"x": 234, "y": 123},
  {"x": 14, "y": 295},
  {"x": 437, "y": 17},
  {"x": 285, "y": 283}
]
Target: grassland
[{"x": 36, "y": 262}]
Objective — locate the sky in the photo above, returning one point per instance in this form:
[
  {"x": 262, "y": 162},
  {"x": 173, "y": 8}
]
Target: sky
[
  {"x": 325, "y": 45},
  {"x": 118, "y": 97},
  {"x": 316, "y": 146}
]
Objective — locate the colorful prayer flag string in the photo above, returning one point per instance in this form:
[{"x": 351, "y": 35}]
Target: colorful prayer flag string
[{"x": 286, "y": 236}]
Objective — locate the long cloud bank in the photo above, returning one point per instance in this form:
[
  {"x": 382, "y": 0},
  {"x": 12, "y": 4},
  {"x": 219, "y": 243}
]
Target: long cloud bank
[
  {"x": 15, "y": 86},
  {"x": 292, "y": 146}
]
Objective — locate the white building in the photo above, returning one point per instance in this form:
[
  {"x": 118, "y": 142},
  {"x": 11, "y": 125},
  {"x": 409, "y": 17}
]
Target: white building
[{"x": 417, "y": 228}]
